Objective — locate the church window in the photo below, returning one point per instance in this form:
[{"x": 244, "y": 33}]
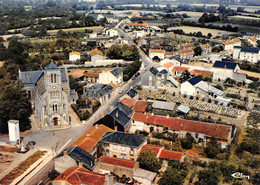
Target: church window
[
  {"x": 51, "y": 78},
  {"x": 54, "y": 78}
]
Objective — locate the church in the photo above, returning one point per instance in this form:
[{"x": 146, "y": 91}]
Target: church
[{"x": 49, "y": 91}]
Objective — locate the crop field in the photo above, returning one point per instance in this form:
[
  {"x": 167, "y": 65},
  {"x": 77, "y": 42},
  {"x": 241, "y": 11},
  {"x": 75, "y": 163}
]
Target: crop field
[
  {"x": 75, "y": 29},
  {"x": 204, "y": 31},
  {"x": 244, "y": 17}
]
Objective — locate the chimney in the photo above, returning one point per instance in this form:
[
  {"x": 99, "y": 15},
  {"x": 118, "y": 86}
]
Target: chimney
[
  {"x": 88, "y": 136},
  {"x": 80, "y": 165},
  {"x": 65, "y": 153},
  {"x": 116, "y": 113},
  {"x": 116, "y": 128},
  {"x": 152, "y": 113},
  {"x": 168, "y": 116},
  {"x": 144, "y": 113},
  {"x": 39, "y": 180},
  {"x": 111, "y": 107},
  {"x": 102, "y": 114},
  {"x": 96, "y": 161},
  {"x": 96, "y": 125}
]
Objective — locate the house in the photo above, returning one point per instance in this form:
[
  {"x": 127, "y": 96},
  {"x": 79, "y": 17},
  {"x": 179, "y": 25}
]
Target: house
[
  {"x": 201, "y": 131},
  {"x": 223, "y": 70},
  {"x": 165, "y": 106},
  {"x": 169, "y": 63},
  {"x": 187, "y": 46},
  {"x": 91, "y": 78},
  {"x": 128, "y": 102},
  {"x": 112, "y": 33},
  {"x": 123, "y": 145},
  {"x": 90, "y": 139},
  {"x": 183, "y": 109},
  {"x": 171, "y": 155},
  {"x": 131, "y": 94},
  {"x": 74, "y": 56},
  {"x": 144, "y": 176},
  {"x": 157, "y": 53},
  {"x": 230, "y": 44},
  {"x": 78, "y": 74},
  {"x": 169, "y": 54},
  {"x": 117, "y": 166},
  {"x": 153, "y": 79},
  {"x": 247, "y": 54},
  {"x": 117, "y": 119},
  {"x": 96, "y": 55},
  {"x": 141, "y": 42},
  {"x": 112, "y": 20},
  {"x": 92, "y": 35},
  {"x": 186, "y": 53},
  {"x": 206, "y": 49},
  {"x": 202, "y": 73},
  {"x": 139, "y": 34},
  {"x": 78, "y": 175},
  {"x": 100, "y": 16},
  {"x": 49, "y": 92},
  {"x": 79, "y": 156},
  {"x": 98, "y": 92},
  {"x": 128, "y": 111},
  {"x": 138, "y": 26},
  {"x": 178, "y": 70},
  {"x": 140, "y": 106},
  {"x": 74, "y": 96},
  {"x": 115, "y": 76},
  {"x": 196, "y": 87}
]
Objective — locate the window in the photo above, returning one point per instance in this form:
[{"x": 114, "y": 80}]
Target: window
[
  {"x": 114, "y": 147},
  {"x": 123, "y": 148},
  {"x": 51, "y": 78},
  {"x": 54, "y": 78},
  {"x": 197, "y": 135},
  {"x": 123, "y": 156}
]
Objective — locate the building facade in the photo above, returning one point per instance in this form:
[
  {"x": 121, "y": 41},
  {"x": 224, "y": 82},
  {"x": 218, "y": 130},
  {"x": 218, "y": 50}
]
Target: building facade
[{"x": 49, "y": 92}]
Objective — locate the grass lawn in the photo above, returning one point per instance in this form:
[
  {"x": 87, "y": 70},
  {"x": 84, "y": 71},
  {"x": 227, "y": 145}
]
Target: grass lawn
[
  {"x": 75, "y": 29},
  {"x": 22, "y": 167}
]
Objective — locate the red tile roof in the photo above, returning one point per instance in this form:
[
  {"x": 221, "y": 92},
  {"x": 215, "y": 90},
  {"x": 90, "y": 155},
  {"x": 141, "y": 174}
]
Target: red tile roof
[
  {"x": 237, "y": 40},
  {"x": 74, "y": 53},
  {"x": 136, "y": 25},
  {"x": 203, "y": 73},
  {"x": 157, "y": 50},
  {"x": 206, "y": 45},
  {"x": 187, "y": 45},
  {"x": 77, "y": 73},
  {"x": 96, "y": 75},
  {"x": 140, "y": 106},
  {"x": 168, "y": 53},
  {"x": 179, "y": 68},
  {"x": 185, "y": 51},
  {"x": 168, "y": 154},
  {"x": 95, "y": 51},
  {"x": 168, "y": 65},
  {"x": 80, "y": 175},
  {"x": 91, "y": 137},
  {"x": 117, "y": 161},
  {"x": 155, "y": 148},
  {"x": 128, "y": 102},
  {"x": 176, "y": 124},
  {"x": 253, "y": 39},
  {"x": 228, "y": 43}
]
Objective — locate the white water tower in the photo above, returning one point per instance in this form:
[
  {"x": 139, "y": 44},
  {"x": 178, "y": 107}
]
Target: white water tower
[{"x": 14, "y": 131}]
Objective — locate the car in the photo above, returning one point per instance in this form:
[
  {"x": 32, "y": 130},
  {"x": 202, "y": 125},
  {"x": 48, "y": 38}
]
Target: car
[
  {"x": 120, "y": 91},
  {"x": 137, "y": 74},
  {"x": 30, "y": 144},
  {"x": 134, "y": 77}
]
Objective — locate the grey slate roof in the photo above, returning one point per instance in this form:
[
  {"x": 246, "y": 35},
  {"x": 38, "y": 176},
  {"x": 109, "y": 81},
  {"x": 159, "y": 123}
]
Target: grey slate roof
[
  {"x": 120, "y": 117},
  {"x": 98, "y": 90},
  {"x": 116, "y": 72},
  {"x": 128, "y": 111},
  {"x": 81, "y": 156},
  {"x": 132, "y": 93},
  {"x": 123, "y": 138},
  {"x": 183, "y": 109},
  {"x": 154, "y": 70},
  {"x": 227, "y": 65},
  {"x": 51, "y": 66},
  {"x": 64, "y": 75},
  {"x": 250, "y": 50},
  {"x": 194, "y": 80},
  {"x": 30, "y": 77},
  {"x": 164, "y": 71}
]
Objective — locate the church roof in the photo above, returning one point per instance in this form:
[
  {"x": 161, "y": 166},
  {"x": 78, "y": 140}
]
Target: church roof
[
  {"x": 30, "y": 77},
  {"x": 51, "y": 66}
]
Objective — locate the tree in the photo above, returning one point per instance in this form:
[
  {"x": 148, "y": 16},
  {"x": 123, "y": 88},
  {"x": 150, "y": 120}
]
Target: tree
[
  {"x": 14, "y": 104},
  {"x": 148, "y": 160},
  {"x": 258, "y": 43},
  {"x": 173, "y": 176},
  {"x": 209, "y": 35},
  {"x": 213, "y": 148},
  {"x": 185, "y": 76},
  {"x": 114, "y": 52},
  {"x": 207, "y": 177},
  {"x": 197, "y": 51},
  {"x": 188, "y": 141}
]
